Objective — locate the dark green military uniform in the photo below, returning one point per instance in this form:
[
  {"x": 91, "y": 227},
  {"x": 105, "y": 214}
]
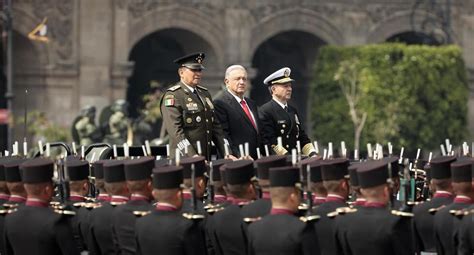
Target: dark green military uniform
[{"x": 189, "y": 119}]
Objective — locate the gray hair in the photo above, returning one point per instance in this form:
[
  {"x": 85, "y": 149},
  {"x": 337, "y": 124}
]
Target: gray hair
[{"x": 232, "y": 68}]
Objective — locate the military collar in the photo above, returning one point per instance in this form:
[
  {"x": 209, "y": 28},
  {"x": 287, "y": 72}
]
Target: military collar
[
  {"x": 187, "y": 195},
  {"x": 277, "y": 211},
  {"x": 136, "y": 197},
  {"x": 459, "y": 199},
  {"x": 375, "y": 205},
  {"x": 220, "y": 198},
  {"x": 188, "y": 87},
  {"x": 282, "y": 105},
  {"x": 4, "y": 196},
  {"x": 442, "y": 193},
  {"x": 165, "y": 207},
  {"x": 77, "y": 198},
  {"x": 334, "y": 197},
  {"x": 36, "y": 202},
  {"x": 17, "y": 199},
  {"x": 266, "y": 195},
  {"x": 119, "y": 199}
]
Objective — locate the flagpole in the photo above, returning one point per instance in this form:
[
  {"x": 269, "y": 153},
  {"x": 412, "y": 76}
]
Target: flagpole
[{"x": 9, "y": 72}]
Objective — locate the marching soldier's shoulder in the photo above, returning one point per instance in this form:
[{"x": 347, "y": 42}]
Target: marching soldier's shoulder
[
  {"x": 6, "y": 211},
  {"x": 114, "y": 204},
  {"x": 174, "y": 88},
  {"x": 213, "y": 209},
  {"x": 401, "y": 214},
  {"x": 91, "y": 206},
  {"x": 201, "y": 87}
]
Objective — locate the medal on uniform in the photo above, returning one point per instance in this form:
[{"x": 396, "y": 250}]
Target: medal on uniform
[
  {"x": 189, "y": 99},
  {"x": 189, "y": 120},
  {"x": 198, "y": 119},
  {"x": 192, "y": 106},
  {"x": 282, "y": 131},
  {"x": 208, "y": 101}
]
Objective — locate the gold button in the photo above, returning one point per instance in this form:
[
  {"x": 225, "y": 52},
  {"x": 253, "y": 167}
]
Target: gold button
[
  {"x": 288, "y": 136},
  {"x": 287, "y": 146}
]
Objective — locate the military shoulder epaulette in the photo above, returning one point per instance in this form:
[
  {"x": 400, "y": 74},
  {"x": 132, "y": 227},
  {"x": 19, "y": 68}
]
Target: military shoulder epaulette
[
  {"x": 344, "y": 210},
  {"x": 90, "y": 199},
  {"x": 141, "y": 213},
  {"x": 79, "y": 204},
  {"x": 174, "y": 88},
  {"x": 91, "y": 206},
  {"x": 54, "y": 203},
  {"x": 311, "y": 218},
  {"x": 10, "y": 205},
  {"x": 434, "y": 210},
  {"x": 251, "y": 220},
  {"x": 403, "y": 214},
  {"x": 303, "y": 207},
  {"x": 11, "y": 210},
  {"x": 214, "y": 209},
  {"x": 201, "y": 87},
  {"x": 192, "y": 216},
  {"x": 414, "y": 203},
  {"x": 117, "y": 203},
  {"x": 332, "y": 214},
  {"x": 65, "y": 212}
]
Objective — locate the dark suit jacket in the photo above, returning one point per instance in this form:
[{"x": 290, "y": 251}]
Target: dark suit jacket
[{"x": 236, "y": 125}]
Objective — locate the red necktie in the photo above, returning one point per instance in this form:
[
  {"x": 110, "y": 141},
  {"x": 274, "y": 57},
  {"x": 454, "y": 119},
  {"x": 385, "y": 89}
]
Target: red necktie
[{"x": 247, "y": 111}]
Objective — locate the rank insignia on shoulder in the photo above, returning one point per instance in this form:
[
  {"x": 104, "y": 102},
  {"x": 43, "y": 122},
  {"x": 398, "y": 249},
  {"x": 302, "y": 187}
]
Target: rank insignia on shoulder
[
  {"x": 403, "y": 214},
  {"x": 11, "y": 210},
  {"x": 79, "y": 204},
  {"x": 92, "y": 205},
  {"x": 215, "y": 209},
  {"x": 169, "y": 100},
  {"x": 201, "y": 87},
  {"x": 434, "y": 210},
  {"x": 174, "y": 88},
  {"x": 251, "y": 220},
  {"x": 141, "y": 213},
  {"x": 10, "y": 205},
  {"x": 332, "y": 214},
  {"x": 65, "y": 212},
  {"x": 192, "y": 216},
  {"x": 117, "y": 203},
  {"x": 311, "y": 218},
  {"x": 344, "y": 210}
]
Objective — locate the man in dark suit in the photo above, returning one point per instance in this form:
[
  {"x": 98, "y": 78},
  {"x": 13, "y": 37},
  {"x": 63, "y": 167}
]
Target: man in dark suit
[
  {"x": 237, "y": 114},
  {"x": 282, "y": 120}
]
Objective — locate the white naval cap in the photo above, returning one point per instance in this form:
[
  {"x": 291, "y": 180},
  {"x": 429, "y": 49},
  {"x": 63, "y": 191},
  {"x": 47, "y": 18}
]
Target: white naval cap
[{"x": 279, "y": 77}]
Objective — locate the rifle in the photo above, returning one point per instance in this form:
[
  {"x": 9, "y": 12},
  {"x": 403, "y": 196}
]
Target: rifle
[
  {"x": 193, "y": 189},
  {"x": 309, "y": 194},
  {"x": 63, "y": 185},
  {"x": 210, "y": 186}
]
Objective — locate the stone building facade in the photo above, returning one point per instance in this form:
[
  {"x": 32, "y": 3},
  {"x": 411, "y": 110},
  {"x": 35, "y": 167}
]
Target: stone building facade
[{"x": 102, "y": 50}]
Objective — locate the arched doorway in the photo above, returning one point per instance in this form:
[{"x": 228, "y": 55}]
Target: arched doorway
[
  {"x": 412, "y": 37},
  {"x": 295, "y": 49},
  {"x": 154, "y": 70}
]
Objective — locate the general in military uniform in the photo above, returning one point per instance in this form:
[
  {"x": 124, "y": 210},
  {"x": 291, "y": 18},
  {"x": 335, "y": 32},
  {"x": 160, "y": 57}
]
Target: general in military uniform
[
  {"x": 279, "y": 119},
  {"x": 188, "y": 111}
]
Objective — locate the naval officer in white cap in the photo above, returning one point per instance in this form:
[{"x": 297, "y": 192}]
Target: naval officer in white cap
[{"x": 279, "y": 119}]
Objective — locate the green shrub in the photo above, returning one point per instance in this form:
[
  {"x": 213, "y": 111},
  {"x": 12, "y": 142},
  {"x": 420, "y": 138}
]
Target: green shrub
[{"x": 414, "y": 96}]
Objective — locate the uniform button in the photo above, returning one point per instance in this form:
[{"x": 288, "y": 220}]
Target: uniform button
[
  {"x": 287, "y": 136},
  {"x": 287, "y": 146},
  {"x": 207, "y": 120},
  {"x": 207, "y": 131}
]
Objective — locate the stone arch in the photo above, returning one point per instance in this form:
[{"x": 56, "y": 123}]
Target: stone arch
[
  {"x": 296, "y": 19},
  {"x": 396, "y": 24},
  {"x": 181, "y": 18}
]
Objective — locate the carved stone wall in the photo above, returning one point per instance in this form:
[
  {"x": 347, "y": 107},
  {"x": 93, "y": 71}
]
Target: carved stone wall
[{"x": 87, "y": 59}]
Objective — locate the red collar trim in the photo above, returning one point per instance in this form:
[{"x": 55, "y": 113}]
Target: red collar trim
[
  {"x": 119, "y": 199},
  {"x": 104, "y": 197},
  {"x": 36, "y": 203},
  {"x": 443, "y": 194},
  {"x": 187, "y": 195},
  {"x": 375, "y": 204},
  {"x": 360, "y": 201},
  {"x": 165, "y": 207},
  {"x": 238, "y": 201},
  {"x": 17, "y": 199},
  {"x": 318, "y": 200},
  {"x": 76, "y": 198},
  {"x": 334, "y": 198},
  {"x": 220, "y": 198},
  {"x": 266, "y": 195},
  {"x": 277, "y": 211},
  {"x": 462, "y": 200},
  {"x": 138, "y": 197},
  {"x": 4, "y": 196}
]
